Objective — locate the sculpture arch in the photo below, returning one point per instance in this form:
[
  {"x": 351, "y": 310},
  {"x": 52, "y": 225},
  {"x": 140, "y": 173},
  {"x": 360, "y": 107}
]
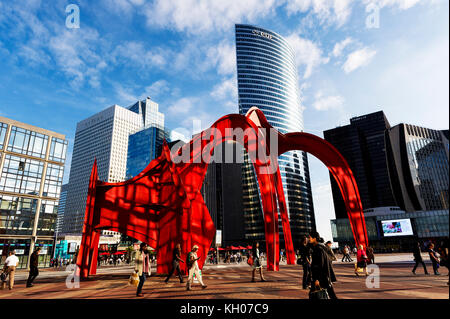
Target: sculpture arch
[{"x": 163, "y": 205}]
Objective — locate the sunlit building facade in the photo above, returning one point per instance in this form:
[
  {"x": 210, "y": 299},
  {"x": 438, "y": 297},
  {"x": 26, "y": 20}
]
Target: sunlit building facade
[
  {"x": 267, "y": 79},
  {"x": 31, "y": 172}
]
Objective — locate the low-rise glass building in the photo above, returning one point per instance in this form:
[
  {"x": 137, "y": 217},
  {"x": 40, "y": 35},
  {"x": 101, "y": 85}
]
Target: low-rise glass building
[{"x": 31, "y": 172}]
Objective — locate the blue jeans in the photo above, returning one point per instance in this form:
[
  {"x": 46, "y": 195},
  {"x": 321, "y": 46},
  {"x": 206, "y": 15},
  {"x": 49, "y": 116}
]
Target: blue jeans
[{"x": 141, "y": 283}]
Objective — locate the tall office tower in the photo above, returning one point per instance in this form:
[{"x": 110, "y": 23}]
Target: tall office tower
[
  {"x": 267, "y": 79},
  {"x": 144, "y": 146},
  {"x": 224, "y": 202},
  {"x": 362, "y": 145},
  {"x": 418, "y": 167},
  {"x": 61, "y": 207},
  {"x": 103, "y": 136},
  {"x": 31, "y": 173}
]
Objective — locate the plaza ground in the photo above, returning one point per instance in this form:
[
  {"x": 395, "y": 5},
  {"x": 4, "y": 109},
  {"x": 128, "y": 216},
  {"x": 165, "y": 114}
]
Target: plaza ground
[{"x": 233, "y": 281}]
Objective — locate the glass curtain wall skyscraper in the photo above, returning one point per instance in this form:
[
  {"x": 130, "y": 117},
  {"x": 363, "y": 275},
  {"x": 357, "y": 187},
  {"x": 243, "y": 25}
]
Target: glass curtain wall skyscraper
[{"x": 267, "y": 79}]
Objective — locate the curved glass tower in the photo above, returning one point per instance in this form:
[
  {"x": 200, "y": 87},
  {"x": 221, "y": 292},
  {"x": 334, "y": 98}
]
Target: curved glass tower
[{"x": 267, "y": 79}]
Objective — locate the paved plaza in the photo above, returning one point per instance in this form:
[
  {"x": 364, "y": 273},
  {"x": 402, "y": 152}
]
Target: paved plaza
[{"x": 233, "y": 281}]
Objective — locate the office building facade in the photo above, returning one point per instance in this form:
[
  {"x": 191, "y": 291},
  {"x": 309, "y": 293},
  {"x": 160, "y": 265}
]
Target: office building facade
[
  {"x": 402, "y": 175},
  {"x": 363, "y": 146},
  {"x": 144, "y": 146},
  {"x": 103, "y": 136},
  {"x": 61, "y": 207},
  {"x": 418, "y": 167},
  {"x": 32, "y": 167},
  {"x": 225, "y": 202},
  {"x": 267, "y": 79}
]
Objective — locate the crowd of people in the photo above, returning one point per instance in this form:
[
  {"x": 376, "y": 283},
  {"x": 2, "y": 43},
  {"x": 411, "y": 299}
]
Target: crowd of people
[{"x": 314, "y": 255}]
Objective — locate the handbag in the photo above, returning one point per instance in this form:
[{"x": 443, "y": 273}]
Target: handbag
[
  {"x": 3, "y": 276},
  {"x": 250, "y": 261},
  {"x": 318, "y": 294},
  {"x": 134, "y": 279}
]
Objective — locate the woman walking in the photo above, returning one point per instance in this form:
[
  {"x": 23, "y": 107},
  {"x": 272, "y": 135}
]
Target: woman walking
[
  {"x": 434, "y": 259},
  {"x": 361, "y": 258},
  {"x": 256, "y": 262},
  {"x": 192, "y": 266},
  {"x": 142, "y": 267}
]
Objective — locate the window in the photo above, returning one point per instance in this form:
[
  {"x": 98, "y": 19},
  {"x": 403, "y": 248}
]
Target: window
[
  {"x": 21, "y": 175},
  {"x": 27, "y": 142},
  {"x": 3, "y": 129},
  {"x": 58, "y": 149}
]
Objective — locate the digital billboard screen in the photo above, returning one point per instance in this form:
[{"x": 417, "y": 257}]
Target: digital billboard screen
[{"x": 397, "y": 227}]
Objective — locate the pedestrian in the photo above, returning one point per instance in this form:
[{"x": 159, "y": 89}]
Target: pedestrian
[
  {"x": 320, "y": 266},
  {"x": 370, "y": 255},
  {"x": 142, "y": 267},
  {"x": 418, "y": 259},
  {"x": 347, "y": 256},
  {"x": 257, "y": 262},
  {"x": 176, "y": 259},
  {"x": 192, "y": 265},
  {"x": 361, "y": 260},
  {"x": 34, "y": 271},
  {"x": 330, "y": 250},
  {"x": 10, "y": 269},
  {"x": 443, "y": 252},
  {"x": 305, "y": 261},
  {"x": 434, "y": 259}
]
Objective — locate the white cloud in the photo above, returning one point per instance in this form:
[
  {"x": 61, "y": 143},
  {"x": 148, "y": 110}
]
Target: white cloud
[
  {"x": 307, "y": 54},
  {"x": 358, "y": 58},
  {"x": 226, "y": 93},
  {"x": 400, "y": 4},
  {"x": 135, "y": 54},
  {"x": 157, "y": 88},
  {"x": 324, "y": 103},
  {"x": 182, "y": 106},
  {"x": 197, "y": 16},
  {"x": 223, "y": 56},
  {"x": 330, "y": 11},
  {"x": 340, "y": 46}
]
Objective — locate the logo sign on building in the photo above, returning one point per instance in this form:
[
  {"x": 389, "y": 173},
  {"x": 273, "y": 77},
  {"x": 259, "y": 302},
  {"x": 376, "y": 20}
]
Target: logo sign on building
[
  {"x": 218, "y": 237},
  {"x": 262, "y": 34},
  {"x": 20, "y": 251},
  {"x": 43, "y": 250}
]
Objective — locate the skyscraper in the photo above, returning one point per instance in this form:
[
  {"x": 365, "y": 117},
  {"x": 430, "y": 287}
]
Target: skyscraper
[
  {"x": 267, "y": 79},
  {"x": 31, "y": 172},
  {"x": 418, "y": 163},
  {"x": 103, "y": 136},
  {"x": 362, "y": 145},
  {"x": 144, "y": 146},
  {"x": 61, "y": 207}
]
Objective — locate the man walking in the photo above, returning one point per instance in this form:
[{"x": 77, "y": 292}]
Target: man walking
[
  {"x": 320, "y": 266},
  {"x": 305, "y": 260},
  {"x": 176, "y": 259},
  {"x": 10, "y": 269},
  {"x": 34, "y": 271},
  {"x": 193, "y": 268},
  {"x": 418, "y": 259},
  {"x": 434, "y": 259}
]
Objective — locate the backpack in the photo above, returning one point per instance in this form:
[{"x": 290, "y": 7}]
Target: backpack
[{"x": 189, "y": 261}]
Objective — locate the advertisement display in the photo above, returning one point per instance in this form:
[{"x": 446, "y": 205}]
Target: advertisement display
[
  {"x": 397, "y": 227},
  {"x": 72, "y": 248}
]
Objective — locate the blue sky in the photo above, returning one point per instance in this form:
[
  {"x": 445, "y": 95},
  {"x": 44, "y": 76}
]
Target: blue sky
[{"x": 181, "y": 53}]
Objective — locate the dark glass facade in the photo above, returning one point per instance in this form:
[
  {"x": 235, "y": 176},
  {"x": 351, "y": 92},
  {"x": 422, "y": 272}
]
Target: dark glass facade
[
  {"x": 143, "y": 147},
  {"x": 222, "y": 193},
  {"x": 419, "y": 167},
  {"x": 267, "y": 79},
  {"x": 362, "y": 145}
]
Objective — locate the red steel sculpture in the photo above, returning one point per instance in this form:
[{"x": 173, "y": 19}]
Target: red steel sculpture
[{"x": 163, "y": 206}]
